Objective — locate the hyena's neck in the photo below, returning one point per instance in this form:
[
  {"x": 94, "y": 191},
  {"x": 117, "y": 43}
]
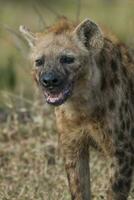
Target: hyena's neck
[
  {"x": 98, "y": 93},
  {"x": 112, "y": 64},
  {"x": 100, "y": 88}
]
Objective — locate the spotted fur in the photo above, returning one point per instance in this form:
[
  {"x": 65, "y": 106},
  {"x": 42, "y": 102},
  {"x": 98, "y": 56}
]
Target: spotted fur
[{"x": 100, "y": 110}]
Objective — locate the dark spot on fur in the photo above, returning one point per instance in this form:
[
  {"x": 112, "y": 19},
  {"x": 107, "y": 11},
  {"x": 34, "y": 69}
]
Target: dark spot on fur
[
  {"x": 120, "y": 160},
  {"x": 99, "y": 113},
  {"x": 123, "y": 104},
  {"x": 102, "y": 58},
  {"x": 131, "y": 149},
  {"x": 120, "y": 135},
  {"x": 120, "y": 114},
  {"x": 119, "y": 55},
  {"x": 131, "y": 85},
  {"x": 118, "y": 186},
  {"x": 116, "y": 129},
  {"x": 124, "y": 80},
  {"x": 103, "y": 83},
  {"x": 109, "y": 132},
  {"x": 128, "y": 124},
  {"x": 77, "y": 181},
  {"x": 124, "y": 71},
  {"x": 73, "y": 196},
  {"x": 132, "y": 132},
  {"x": 103, "y": 111},
  {"x": 131, "y": 90},
  {"x": 68, "y": 177},
  {"x": 114, "y": 65},
  {"x": 132, "y": 161},
  {"x": 93, "y": 143},
  {"x": 115, "y": 81},
  {"x": 127, "y": 94},
  {"x": 119, "y": 153},
  {"x": 111, "y": 104},
  {"x": 126, "y": 107},
  {"x": 123, "y": 125},
  {"x": 112, "y": 165},
  {"x": 128, "y": 183},
  {"x": 126, "y": 170},
  {"x": 128, "y": 173},
  {"x": 127, "y": 147},
  {"x": 112, "y": 84}
]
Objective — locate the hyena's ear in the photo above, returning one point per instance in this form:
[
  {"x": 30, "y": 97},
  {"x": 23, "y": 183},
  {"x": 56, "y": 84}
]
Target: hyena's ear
[
  {"x": 89, "y": 34},
  {"x": 28, "y": 35}
]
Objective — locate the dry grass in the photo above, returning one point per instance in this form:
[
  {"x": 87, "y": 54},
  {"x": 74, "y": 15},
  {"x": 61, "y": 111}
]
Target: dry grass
[{"x": 30, "y": 164}]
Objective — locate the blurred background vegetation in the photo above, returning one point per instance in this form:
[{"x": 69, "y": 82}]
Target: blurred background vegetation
[
  {"x": 30, "y": 165},
  {"x": 15, "y": 77}
]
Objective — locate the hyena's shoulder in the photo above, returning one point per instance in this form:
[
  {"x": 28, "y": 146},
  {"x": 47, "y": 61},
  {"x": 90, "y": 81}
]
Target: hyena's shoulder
[{"x": 116, "y": 51}]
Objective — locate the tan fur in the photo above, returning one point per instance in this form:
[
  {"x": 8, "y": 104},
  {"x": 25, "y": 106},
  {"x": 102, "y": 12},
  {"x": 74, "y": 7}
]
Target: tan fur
[{"x": 100, "y": 109}]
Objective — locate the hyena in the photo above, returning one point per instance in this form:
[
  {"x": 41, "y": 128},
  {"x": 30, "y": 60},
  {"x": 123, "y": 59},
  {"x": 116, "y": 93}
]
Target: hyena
[{"x": 90, "y": 81}]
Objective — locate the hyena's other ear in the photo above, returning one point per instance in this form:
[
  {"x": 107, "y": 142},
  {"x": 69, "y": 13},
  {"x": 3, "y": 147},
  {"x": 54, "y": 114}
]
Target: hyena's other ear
[
  {"x": 28, "y": 35},
  {"x": 89, "y": 34}
]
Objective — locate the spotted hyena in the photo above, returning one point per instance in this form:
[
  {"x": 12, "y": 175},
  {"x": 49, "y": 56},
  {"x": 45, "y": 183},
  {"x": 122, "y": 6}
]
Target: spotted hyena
[{"x": 90, "y": 81}]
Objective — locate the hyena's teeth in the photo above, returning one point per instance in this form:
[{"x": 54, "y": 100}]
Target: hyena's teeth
[{"x": 54, "y": 98}]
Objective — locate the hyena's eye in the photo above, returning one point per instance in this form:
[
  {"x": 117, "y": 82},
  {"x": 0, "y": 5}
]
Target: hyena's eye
[
  {"x": 39, "y": 62},
  {"x": 67, "y": 59}
]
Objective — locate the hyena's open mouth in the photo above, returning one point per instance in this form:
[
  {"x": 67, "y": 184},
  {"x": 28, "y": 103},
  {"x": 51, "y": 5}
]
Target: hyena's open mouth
[
  {"x": 58, "y": 97},
  {"x": 56, "y": 88}
]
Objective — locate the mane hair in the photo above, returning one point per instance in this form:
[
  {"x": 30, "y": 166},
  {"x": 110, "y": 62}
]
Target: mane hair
[{"x": 61, "y": 26}]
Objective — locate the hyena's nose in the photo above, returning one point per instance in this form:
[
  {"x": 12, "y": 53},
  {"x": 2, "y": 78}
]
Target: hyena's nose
[{"x": 50, "y": 80}]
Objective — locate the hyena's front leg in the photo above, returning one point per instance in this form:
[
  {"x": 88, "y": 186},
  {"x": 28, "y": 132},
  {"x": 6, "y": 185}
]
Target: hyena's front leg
[
  {"x": 76, "y": 158},
  {"x": 121, "y": 174}
]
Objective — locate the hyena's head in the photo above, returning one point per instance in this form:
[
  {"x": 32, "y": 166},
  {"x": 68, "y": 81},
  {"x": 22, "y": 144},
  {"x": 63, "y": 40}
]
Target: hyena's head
[{"x": 62, "y": 57}]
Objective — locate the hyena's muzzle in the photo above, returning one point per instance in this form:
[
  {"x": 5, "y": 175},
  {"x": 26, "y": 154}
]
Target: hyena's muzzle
[{"x": 56, "y": 87}]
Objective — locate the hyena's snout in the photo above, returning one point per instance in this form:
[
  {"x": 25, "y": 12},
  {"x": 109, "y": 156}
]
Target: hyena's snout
[
  {"x": 56, "y": 87},
  {"x": 51, "y": 80}
]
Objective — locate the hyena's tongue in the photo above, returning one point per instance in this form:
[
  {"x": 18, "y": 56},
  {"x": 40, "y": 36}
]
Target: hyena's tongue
[
  {"x": 55, "y": 98},
  {"x": 58, "y": 98}
]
